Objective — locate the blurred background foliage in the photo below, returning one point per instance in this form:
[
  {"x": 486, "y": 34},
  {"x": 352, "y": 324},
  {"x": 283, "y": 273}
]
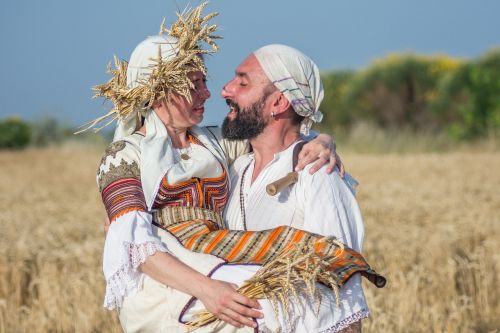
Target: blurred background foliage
[
  {"x": 401, "y": 102},
  {"x": 14, "y": 133},
  {"x": 443, "y": 99},
  {"x": 46, "y": 130}
]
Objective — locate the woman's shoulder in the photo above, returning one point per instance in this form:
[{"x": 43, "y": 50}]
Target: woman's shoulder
[
  {"x": 121, "y": 159},
  {"x": 212, "y": 132},
  {"x": 126, "y": 148}
]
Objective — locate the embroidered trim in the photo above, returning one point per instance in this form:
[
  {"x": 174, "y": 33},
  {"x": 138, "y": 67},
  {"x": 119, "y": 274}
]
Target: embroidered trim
[
  {"x": 112, "y": 150},
  {"x": 242, "y": 196},
  {"x": 127, "y": 278},
  {"x": 123, "y": 170},
  {"x": 125, "y": 211},
  {"x": 208, "y": 193},
  {"x": 344, "y": 323},
  {"x": 170, "y": 215}
]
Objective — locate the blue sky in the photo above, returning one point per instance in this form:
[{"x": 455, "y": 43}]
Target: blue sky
[{"x": 53, "y": 51}]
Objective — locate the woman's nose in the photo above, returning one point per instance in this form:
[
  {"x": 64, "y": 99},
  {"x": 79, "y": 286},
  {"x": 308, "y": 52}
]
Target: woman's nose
[{"x": 204, "y": 93}]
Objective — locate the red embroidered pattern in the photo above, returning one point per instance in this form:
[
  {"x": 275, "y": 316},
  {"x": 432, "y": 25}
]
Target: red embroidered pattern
[
  {"x": 209, "y": 193},
  {"x": 123, "y": 196}
]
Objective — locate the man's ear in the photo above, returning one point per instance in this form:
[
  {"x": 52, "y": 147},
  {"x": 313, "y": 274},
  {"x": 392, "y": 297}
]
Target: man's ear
[{"x": 281, "y": 104}]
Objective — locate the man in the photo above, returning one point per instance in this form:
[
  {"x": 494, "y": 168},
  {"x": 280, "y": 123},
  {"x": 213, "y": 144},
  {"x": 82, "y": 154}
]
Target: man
[{"x": 276, "y": 92}]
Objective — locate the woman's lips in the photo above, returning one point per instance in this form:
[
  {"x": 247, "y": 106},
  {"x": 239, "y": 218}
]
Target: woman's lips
[{"x": 199, "y": 109}]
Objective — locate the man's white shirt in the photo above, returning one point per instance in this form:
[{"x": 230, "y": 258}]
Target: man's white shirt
[{"x": 320, "y": 203}]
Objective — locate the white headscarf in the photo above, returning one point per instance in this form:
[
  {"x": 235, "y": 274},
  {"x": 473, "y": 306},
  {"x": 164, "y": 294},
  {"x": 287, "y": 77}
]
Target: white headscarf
[
  {"x": 139, "y": 68},
  {"x": 156, "y": 148},
  {"x": 297, "y": 77}
]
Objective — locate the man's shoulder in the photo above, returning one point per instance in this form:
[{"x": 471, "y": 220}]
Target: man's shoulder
[
  {"x": 323, "y": 179},
  {"x": 319, "y": 176}
]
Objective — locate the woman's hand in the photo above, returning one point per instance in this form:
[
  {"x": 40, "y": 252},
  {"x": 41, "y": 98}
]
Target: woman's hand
[
  {"x": 224, "y": 302},
  {"x": 322, "y": 149}
]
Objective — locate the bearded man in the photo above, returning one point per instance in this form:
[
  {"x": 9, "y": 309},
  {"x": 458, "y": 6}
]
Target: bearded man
[{"x": 274, "y": 96}]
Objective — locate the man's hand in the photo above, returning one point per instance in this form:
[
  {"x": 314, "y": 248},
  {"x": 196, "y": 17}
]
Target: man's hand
[
  {"x": 224, "y": 302},
  {"x": 322, "y": 149},
  {"x": 107, "y": 223}
]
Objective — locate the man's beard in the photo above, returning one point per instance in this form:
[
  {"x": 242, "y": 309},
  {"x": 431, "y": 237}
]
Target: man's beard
[{"x": 248, "y": 123}]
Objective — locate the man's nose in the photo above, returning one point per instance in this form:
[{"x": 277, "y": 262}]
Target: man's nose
[{"x": 226, "y": 90}]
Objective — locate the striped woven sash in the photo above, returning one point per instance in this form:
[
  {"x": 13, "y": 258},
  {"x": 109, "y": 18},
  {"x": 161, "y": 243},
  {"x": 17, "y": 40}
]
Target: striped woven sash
[{"x": 201, "y": 230}]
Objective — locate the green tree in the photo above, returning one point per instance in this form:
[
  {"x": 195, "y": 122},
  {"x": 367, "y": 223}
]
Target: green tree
[
  {"x": 398, "y": 91},
  {"x": 471, "y": 98},
  {"x": 337, "y": 113},
  {"x": 14, "y": 133}
]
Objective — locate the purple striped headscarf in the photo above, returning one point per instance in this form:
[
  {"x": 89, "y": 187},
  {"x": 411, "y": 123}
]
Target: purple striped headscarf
[{"x": 297, "y": 77}]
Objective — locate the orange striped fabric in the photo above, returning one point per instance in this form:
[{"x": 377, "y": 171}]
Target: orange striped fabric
[{"x": 259, "y": 247}]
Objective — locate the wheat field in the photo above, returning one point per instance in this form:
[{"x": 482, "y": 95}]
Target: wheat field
[{"x": 432, "y": 228}]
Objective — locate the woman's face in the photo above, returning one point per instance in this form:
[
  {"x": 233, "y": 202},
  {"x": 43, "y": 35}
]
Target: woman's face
[{"x": 179, "y": 113}]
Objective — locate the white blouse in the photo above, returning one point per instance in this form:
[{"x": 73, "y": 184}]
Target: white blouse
[{"x": 130, "y": 239}]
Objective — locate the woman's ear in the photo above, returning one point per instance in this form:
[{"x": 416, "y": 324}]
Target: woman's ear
[
  {"x": 160, "y": 102},
  {"x": 156, "y": 104}
]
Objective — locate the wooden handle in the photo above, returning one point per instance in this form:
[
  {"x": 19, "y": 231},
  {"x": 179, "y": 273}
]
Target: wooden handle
[{"x": 281, "y": 183}]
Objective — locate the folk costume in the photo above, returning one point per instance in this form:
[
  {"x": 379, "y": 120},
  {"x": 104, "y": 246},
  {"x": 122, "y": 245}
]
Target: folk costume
[{"x": 159, "y": 198}]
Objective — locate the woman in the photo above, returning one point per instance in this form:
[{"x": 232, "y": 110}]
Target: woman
[{"x": 160, "y": 159}]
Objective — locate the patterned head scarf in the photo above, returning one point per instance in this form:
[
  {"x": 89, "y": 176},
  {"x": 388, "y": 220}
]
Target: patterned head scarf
[{"x": 297, "y": 77}]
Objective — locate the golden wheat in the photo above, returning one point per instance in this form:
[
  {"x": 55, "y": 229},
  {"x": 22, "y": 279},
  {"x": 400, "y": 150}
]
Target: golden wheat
[{"x": 432, "y": 228}]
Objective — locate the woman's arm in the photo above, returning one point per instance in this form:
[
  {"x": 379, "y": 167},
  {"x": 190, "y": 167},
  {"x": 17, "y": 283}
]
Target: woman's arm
[
  {"x": 219, "y": 297},
  {"x": 320, "y": 149}
]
